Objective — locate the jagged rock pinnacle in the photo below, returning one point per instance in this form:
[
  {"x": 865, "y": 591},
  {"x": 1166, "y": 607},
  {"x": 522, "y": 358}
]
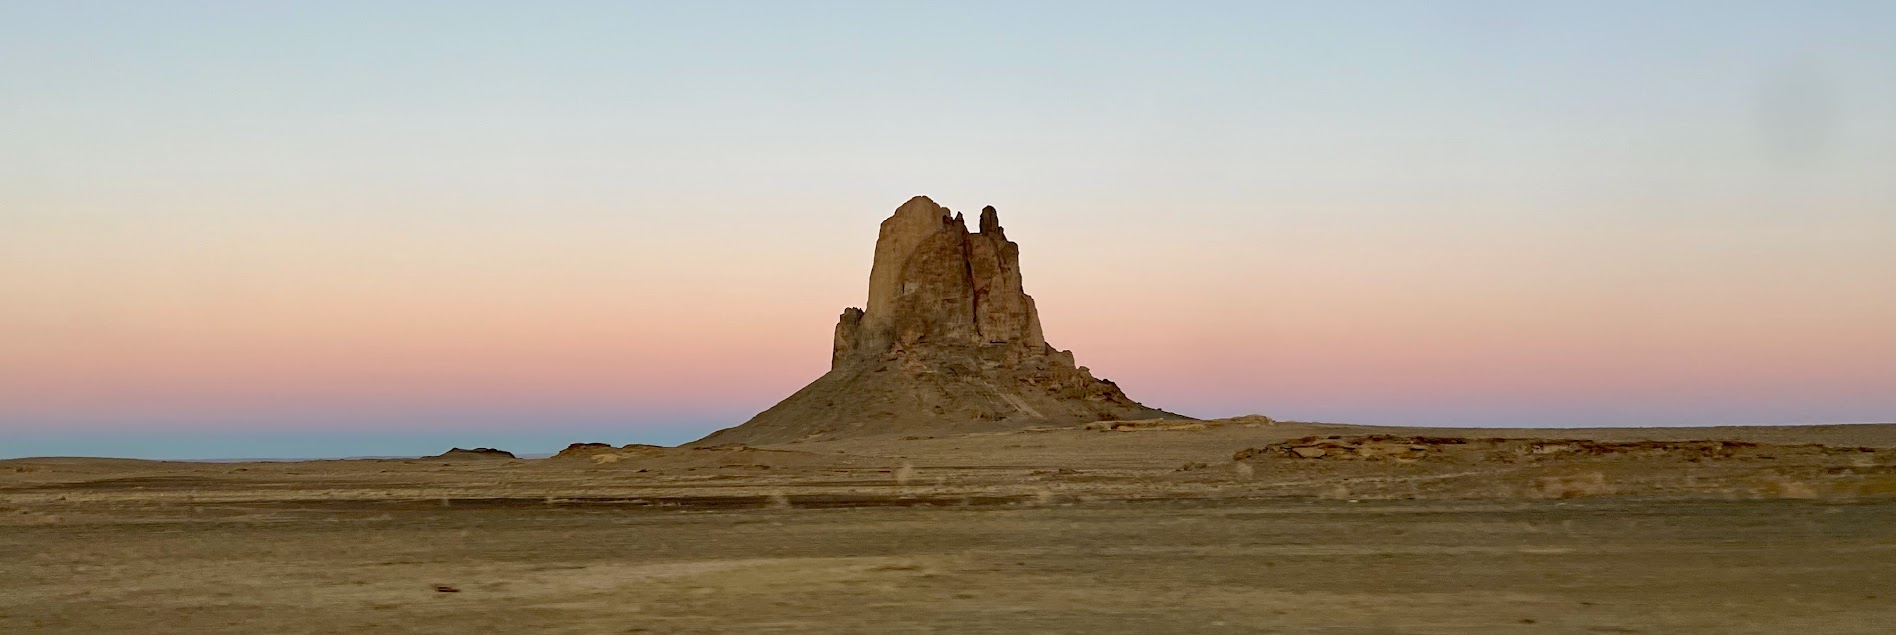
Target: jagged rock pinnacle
[
  {"x": 990, "y": 220},
  {"x": 948, "y": 340}
]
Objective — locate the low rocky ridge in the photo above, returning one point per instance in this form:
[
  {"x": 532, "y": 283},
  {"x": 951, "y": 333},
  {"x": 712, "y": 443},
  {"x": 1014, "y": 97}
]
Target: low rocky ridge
[
  {"x": 590, "y": 450},
  {"x": 1385, "y": 447},
  {"x": 476, "y": 453},
  {"x": 1178, "y": 425},
  {"x": 948, "y": 342},
  {"x": 641, "y": 456}
]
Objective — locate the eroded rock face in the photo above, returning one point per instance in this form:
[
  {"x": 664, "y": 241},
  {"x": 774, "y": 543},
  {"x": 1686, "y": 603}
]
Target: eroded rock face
[{"x": 949, "y": 340}]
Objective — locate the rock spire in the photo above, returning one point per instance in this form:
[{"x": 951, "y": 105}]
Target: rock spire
[{"x": 949, "y": 341}]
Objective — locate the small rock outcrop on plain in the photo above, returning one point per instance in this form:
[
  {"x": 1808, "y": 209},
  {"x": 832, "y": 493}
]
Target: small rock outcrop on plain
[
  {"x": 591, "y": 450},
  {"x": 476, "y": 453},
  {"x": 948, "y": 341}
]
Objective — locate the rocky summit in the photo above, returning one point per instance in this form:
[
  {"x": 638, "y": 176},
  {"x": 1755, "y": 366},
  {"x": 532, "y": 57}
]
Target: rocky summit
[{"x": 948, "y": 342}]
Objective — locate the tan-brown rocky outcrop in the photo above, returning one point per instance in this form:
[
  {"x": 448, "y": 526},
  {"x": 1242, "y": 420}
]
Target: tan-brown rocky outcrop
[
  {"x": 948, "y": 340},
  {"x": 474, "y": 454}
]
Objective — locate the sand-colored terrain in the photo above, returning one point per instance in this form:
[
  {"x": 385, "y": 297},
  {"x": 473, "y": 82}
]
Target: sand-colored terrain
[{"x": 1242, "y": 525}]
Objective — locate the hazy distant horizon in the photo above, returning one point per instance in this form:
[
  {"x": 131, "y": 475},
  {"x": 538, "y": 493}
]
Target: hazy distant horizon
[
  {"x": 242, "y": 229},
  {"x": 525, "y": 442}
]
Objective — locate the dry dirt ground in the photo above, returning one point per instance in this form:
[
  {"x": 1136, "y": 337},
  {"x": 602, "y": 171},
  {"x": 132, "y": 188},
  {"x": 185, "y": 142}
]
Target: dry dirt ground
[{"x": 1230, "y": 526}]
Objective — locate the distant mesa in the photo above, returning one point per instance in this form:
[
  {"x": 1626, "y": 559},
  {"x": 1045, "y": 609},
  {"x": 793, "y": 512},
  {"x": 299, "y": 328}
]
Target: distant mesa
[
  {"x": 948, "y": 342},
  {"x": 476, "y": 453},
  {"x": 583, "y": 450},
  {"x": 593, "y": 450}
]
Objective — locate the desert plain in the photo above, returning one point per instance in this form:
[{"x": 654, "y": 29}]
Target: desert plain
[{"x": 1237, "y": 525}]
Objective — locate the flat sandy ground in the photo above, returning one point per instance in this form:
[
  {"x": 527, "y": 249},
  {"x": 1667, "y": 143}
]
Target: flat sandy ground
[{"x": 1152, "y": 529}]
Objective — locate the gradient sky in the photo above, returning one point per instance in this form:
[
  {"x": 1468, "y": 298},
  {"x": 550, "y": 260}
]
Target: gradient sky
[{"x": 376, "y": 228}]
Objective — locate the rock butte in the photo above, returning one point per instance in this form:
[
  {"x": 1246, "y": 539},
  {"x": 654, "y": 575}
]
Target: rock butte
[{"x": 948, "y": 342}]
